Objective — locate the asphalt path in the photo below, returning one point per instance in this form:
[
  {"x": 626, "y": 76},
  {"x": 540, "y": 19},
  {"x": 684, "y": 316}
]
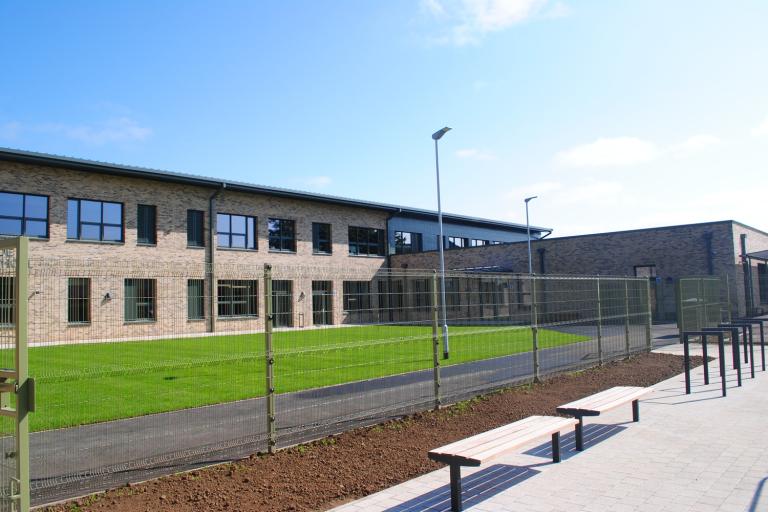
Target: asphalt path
[{"x": 75, "y": 461}]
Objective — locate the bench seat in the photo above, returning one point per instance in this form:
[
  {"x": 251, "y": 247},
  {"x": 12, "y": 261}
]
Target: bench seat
[
  {"x": 482, "y": 448},
  {"x": 598, "y": 403}
]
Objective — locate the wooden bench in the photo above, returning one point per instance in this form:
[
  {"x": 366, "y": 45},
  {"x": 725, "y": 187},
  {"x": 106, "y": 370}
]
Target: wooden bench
[
  {"x": 600, "y": 402},
  {"x": 484, "y": 447}
]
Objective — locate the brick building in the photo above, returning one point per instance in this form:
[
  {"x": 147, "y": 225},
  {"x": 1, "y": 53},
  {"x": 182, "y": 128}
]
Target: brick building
[
  {"x": 122, "y": 251},
  {"x": 664, "y": 254}
]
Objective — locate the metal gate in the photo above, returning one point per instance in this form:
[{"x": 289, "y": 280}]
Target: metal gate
[
  {"x": 16, "y": 389},
  {"x": 701, "y": 303}
]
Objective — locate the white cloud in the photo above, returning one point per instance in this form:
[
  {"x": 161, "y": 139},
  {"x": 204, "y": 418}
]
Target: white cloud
[
  {"x": 474, "y": 154},
  {"x": 761, "y": 130},
  {"x": 609, "y": 152},
  {"x": 122, "y": 129},
  {"x": 696, "y": 143},
  {"x": 317, "y": 181},
  {"x": 469, "y": 20}
]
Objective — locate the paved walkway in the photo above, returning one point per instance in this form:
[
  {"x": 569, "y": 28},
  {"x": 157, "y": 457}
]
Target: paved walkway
[{"x": 698, "y": 452}]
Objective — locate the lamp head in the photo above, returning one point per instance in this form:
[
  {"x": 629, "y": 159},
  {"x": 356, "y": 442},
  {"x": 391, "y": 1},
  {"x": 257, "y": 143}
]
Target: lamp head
[
  {"x": 439, "y": 133},
  {"x": 527, "y": 199}
]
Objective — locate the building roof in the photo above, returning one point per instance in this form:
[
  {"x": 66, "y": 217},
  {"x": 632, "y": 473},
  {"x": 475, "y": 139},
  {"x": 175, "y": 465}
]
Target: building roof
[
  {"x": 78, "y": 164},
  {"x": 758, "y": 255}
]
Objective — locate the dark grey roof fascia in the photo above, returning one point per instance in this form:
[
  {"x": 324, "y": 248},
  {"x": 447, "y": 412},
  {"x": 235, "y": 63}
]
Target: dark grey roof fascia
[
  {"x": 758, "y": 255},
  {"x": 35, "y": 158}
]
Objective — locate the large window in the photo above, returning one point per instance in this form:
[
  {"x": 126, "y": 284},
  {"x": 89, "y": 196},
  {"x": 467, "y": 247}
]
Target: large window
[
  {"x": 236, "y": 231},
  {"x": 457, "y": 242},
  {"x": 762, "y": 282},
  {"x": 322, "y": 302},
  {"x": 94, "y": 220},
  {"x": 195, "y": 299},
  {"x": 238, "y": 298},
  {"x": 6, "y": 300},
  {"x": 282, "y": 235},
  {"x": 357, "y": 301},
  {"x": 477, "y": 242},
  {"x": 23, "y": 214},
  {"x": 321, "y": 238},
  {"x": 146, "y": 224},
  {"x": 195, "y": 228},
  {"x": 79, "y": 300},
  {"x": 366, "y": 241},
  {"x": 406, "y": 242},
  {"x": 282, "y": 303},
  {"x": 140, "y": 300}
]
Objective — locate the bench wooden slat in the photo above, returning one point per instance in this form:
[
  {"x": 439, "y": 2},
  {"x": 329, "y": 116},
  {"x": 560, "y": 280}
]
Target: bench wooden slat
[
  {"x": 606, "y": 400},
  {"x": 484, "y": 447},
  {"x": 597, "y": 398}
]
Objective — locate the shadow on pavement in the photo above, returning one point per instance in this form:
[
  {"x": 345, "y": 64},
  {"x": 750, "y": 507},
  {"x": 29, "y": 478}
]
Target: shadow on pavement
[
  {"x": 754, "y": 505},
  {"x": 594, "y": 433},
  {"x": 477, "y": 487}
]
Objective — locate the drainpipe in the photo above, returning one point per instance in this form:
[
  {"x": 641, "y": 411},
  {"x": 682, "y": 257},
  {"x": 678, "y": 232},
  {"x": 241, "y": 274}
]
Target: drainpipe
[
  {"x": 710, "y": 254},
  {"x": 210, "y": 254},
  {"x": 747, "y": 268}
]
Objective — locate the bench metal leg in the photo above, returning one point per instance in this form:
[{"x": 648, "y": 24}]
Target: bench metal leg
[
  {"x": 635, "y": 410},
  {"x": 556, "y": 447},
  {"x": 580, "y": 434},
  {"x": 456, "y": 505}
]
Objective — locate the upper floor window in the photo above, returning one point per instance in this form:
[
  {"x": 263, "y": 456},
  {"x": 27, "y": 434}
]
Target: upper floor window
[
  {"x": 146, "y": 224},
  {"x": 195, "y": 228},
  {"x": 94, "y": 220},
  {"x": 23, "y": 214},
  {"x": 366, "y": 241},
  {"x": 282, "y": 235},
  {"x": 236, "y": 231},
  {"x": 456, "y": 242},
  {"x": 477, "y": 243},
  {"x": 321, "y": 238},
  {"x": 406, "y": 242}
]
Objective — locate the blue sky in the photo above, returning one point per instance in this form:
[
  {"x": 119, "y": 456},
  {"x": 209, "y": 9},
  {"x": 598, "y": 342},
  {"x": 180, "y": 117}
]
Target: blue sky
[{"x": 617, "y": 114}]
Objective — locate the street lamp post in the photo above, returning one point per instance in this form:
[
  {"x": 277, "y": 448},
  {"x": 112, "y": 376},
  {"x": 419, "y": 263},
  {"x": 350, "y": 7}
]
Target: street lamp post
[
  {"x": 436, "y": 137},
  {"x": 528, "y": 229}
]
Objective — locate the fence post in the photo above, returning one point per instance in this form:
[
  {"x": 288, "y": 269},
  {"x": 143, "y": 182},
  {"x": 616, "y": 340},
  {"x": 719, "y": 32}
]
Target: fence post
[
  {"x": 25, "y": 393},
  {"x": 626, "y": 315},
  {"x": 535, "y": 329},
  {"x": 270, "y": 359},
  {"x": 599, "y": 325},
  {"x": 435, "y": 342},
  {"x": 648, "y": 340},
  {"x": 728, "y": 297}
]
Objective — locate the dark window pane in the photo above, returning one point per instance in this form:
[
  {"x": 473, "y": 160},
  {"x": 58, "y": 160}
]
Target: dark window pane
[
  {"x": 36, "y": 207},
  {"x": 79, "y": 300},
  {"x": 195, "y": 299},
  {"x": 10, "y": 227},
  {"x": 36, "y": 228},
  {"x": 90, "y": 211},
  {"x": 195, "y": 228},
  {"x": 146, "y": 229},
  {"x": 11, "y": 205}
]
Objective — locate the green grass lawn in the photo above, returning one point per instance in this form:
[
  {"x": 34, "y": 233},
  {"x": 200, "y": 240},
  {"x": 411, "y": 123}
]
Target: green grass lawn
[{"x": 87, "y": 383}]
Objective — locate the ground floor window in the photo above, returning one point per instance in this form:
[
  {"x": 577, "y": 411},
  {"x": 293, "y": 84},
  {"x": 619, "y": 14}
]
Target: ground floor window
[
  {"x": 140, "y": 300},
  {"x": 195, "y": 299},
  {"x": 238, "y": 297},
  {"x": 762, "y": 282},
  {"x": 282, "y": 303},
  {"x": 79, "y": 300},
  {"x": 322, "y": 302},
  {"x": 6, "y": 300},
  {"x": 357, "y": 301}
]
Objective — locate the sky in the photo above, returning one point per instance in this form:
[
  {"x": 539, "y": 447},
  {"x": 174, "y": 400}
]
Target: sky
[{"x": 617, "y": 115}]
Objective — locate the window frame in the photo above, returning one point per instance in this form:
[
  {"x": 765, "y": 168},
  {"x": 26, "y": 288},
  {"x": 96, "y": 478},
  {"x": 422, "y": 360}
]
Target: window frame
[
  {"x": 101, "y": 224},
  {"x": 280, "y": 237},
  {"x": 479, "y": 242},
  {"x": 451, "y": 242},
  {"x": 403, "y": 248},
  {"x": 151, "y": 241},
  {"x": 190, "y": 241},
  {"x": 24, "y": 217},
  {"x": 380, "y": 244},
  {"x": 317, "y": 240},
  {"x": 149, "y": 301},
  {"x": 229, "y": 234},
  {"x": 86, "y": 299},
  {"x": 250, "y": 299},
  {"x": 200, "y": 297}
]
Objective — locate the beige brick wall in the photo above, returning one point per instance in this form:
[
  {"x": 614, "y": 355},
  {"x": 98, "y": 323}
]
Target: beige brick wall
[{"x": 171, "y": 262}]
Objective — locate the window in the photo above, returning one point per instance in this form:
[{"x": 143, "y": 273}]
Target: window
[
  {"x": 195, "y": 299},
  {"x": 495, "y": 242},
  {"x": 195, "y": 228},
  {"x": 321, "y": 238},
  {"x": 406, "y": 242},
  {"x": 6, "y": 300},
  {"x": 238, "y": 298},
  {"x": 455, "y": 242},
  {"x": 282, "y": 303},
  {"x": 357, "y": 301},
  {"x": 236, "y": 231},
  {"x": 146, "y": 224},
  {"x": 282, "y": 235},
  {"x": 762, "y": 282},
  {"x": 94, "y": 220},
  {"x": 366, "y": 241},
  {"x": 140, "y": 300},
  {"x": 645, "y": 270},
  {"x": 23, "y": 214},
  {"x": 79, "y": 300},
  {"x": 478, "y": 243},
  {"x": 322, "y": 302}
]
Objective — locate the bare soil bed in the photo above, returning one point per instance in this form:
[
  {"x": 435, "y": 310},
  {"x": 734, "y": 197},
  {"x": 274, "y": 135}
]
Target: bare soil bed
[{"x": 331, "y": 471}]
